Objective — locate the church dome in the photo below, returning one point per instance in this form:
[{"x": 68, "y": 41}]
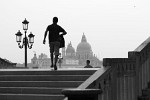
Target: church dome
[
  {"x": 84, "y": 45},
  {"x": 70, "y": 49}
]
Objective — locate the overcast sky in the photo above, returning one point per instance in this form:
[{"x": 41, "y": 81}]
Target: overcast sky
[{"x": 112, "y": 27}]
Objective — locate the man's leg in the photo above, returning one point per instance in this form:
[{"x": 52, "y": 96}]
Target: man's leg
[
  {"x": 51, "y": 53},
  {"x": 52, "y": 57},
  {"x": 56, "y": 49},
  {"x": 56, "y": 58}
]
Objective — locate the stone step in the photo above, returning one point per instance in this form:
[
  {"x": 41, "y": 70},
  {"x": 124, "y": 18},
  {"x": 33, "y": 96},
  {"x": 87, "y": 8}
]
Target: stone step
[
  {"x": 30, "y": 97},
  {"x": 146, "y": 92},
  {"x": 30, "y": 90},
  {"x": 26, "y": 84},
  {"x": 143, "y": 98},
  {"x": 46, "y": 72},
  {"x": 43, "y": 77},
  {"x": 54, "y": 84},
  {"x": 149, "y": 85}
]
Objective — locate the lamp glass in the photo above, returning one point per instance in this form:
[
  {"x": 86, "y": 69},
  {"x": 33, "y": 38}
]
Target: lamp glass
[
  {"x": 31, "y": 38},
  {"x": 25, "y": 24},
  {"x": 18, "y": 39},
  {"x": 18, "y": 36}
]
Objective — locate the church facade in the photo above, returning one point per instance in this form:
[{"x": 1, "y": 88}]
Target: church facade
[{"x": 69, "y": 57}]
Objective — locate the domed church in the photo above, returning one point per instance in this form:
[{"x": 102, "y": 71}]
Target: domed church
[{"x": 71, "y": 57}]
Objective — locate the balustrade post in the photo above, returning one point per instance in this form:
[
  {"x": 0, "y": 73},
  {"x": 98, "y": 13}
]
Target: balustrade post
[
  {"x": 114, "y": 83},
  {"x": 118, "y": 88},
  {"x": 149, "y": 68},
  {"x": 138, "y": 75}
]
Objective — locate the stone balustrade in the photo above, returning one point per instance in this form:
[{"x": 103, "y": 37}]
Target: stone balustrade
[{"x": 121, "y": 78}]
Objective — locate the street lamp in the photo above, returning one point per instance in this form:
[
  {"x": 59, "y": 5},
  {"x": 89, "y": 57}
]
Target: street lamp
[{"x": 27, "y": 41}]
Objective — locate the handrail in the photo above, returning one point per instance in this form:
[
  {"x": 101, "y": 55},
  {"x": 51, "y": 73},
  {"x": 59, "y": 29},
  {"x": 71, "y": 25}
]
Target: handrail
[
  {"x": 143, "y": 45},
  {"x": 101, "y": 72}
]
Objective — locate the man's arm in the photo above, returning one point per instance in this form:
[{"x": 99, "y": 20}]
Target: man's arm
[
  {"x": 63, "y": 31},
  {"x": 45, "y": 36}
]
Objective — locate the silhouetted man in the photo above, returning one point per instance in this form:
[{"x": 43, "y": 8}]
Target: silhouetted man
[
  {"x": 54, "y": 40},
  {"x": 88, "y": 64}
]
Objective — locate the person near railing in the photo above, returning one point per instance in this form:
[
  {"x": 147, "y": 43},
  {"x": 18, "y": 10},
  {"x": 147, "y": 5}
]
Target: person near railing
[{"x": 88, "y": 64}]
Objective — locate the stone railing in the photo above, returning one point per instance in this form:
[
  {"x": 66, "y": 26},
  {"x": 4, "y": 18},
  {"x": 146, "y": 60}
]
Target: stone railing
[{"x": 121, "y": 78}]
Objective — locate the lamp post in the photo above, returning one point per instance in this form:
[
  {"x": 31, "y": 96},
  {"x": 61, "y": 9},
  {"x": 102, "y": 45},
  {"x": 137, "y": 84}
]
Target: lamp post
[{"x": 27, "y": 41}]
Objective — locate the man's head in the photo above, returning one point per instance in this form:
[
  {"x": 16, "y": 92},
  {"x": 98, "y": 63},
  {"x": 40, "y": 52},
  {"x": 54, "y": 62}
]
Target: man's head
[
  {"x": 87, "y": 62},
  {"x": 55, "y": 20}
]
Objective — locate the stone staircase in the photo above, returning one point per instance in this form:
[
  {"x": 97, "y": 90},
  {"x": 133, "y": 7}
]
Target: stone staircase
[
  {"x": 145, "y": 94},
  {"x": 39, "y": 84}
]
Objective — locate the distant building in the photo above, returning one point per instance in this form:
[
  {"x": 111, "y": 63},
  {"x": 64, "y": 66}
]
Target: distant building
[{"x": 71, "y": 58}]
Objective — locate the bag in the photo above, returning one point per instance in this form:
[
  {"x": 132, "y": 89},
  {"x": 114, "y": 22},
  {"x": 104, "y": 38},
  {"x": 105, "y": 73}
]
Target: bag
[{"x": 62, "y": 41}]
